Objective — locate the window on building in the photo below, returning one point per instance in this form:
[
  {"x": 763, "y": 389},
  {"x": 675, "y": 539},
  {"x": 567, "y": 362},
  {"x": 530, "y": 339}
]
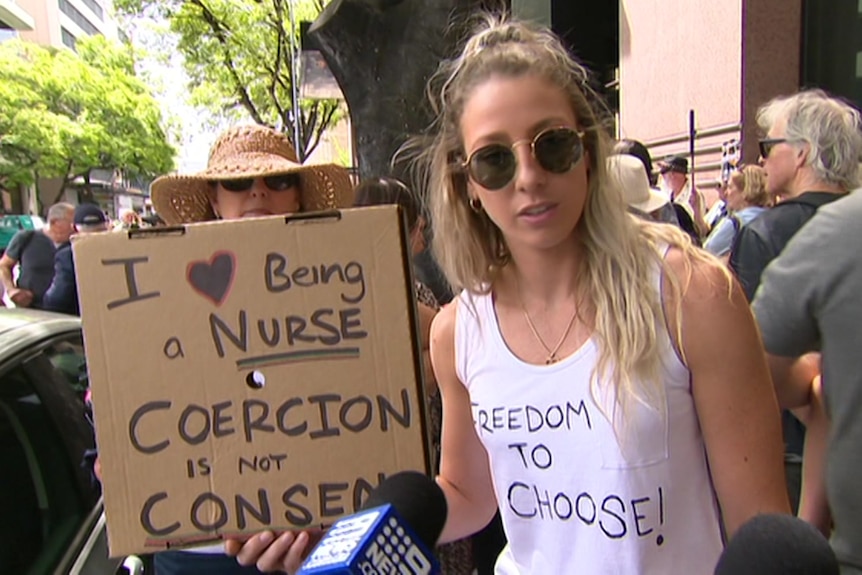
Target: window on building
[
  {"x": 75, "y": 15},
  {"x": 68, "y": 38},
  {"x": 96, "y": 8}
]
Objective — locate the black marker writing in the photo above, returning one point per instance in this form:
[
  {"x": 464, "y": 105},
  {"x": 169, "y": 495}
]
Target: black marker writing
[
  {"x": 540, "y": 456},
  {"x": 279, "y": 279},
  {"x": 319, "y": 416},
  {"x": 564, "y": 417},
  {"x": 173, "y": 348},
  {"x": 131, "y": 281},
  {"x": 328, "y": 327},
  {"x": 616, "y": 516}
]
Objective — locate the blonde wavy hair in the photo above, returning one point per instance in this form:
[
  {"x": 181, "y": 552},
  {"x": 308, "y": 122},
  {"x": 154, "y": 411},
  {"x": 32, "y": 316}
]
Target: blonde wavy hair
[
  {"x": 751, "y": 181},
  {"x": 622, "y": 252}
]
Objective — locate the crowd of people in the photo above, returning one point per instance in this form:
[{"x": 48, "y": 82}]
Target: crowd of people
[
  {"x": 37, "y": 270},
  {"x": 579, "y": 281}
]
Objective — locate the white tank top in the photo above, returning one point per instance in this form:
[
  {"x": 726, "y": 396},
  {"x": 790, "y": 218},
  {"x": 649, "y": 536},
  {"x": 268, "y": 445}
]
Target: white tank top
[{"x": 569, "y": 499}]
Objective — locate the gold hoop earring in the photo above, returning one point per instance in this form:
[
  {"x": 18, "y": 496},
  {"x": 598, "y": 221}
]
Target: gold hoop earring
[{"x": 475, "y": 205}]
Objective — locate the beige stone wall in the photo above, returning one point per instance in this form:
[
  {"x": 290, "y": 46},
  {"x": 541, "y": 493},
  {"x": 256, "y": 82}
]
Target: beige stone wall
[{"x": 677, "y": 55}]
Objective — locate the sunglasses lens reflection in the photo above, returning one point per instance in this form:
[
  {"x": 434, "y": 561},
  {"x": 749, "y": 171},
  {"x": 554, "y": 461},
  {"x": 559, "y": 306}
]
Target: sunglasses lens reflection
[
  {"x": 492, "y": 167},
  {"x": 556, "y": 150}
]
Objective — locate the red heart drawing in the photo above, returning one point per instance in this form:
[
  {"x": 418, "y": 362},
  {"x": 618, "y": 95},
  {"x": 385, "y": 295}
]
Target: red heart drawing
[{"x": 214, "y": 278}]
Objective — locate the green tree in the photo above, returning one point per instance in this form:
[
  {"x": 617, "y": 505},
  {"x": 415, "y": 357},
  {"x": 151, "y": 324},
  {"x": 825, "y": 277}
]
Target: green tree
[
  {"x": 238, "y": 55},
  {"x": 64, "y": 114}
]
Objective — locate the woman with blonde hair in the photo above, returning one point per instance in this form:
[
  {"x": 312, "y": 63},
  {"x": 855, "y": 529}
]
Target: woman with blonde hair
[
  {"x": 581, "y": 390},
  {"x": 747, "y": 198}
]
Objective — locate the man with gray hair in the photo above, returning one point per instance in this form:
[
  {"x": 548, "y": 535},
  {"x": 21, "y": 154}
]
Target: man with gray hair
[
  {"x": 810, "y": 155},
  {"x": 33, "y": 251},
  {"x": 62, "y": 294}
]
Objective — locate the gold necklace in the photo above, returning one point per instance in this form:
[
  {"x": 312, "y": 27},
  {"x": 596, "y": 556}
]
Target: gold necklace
[{"x": 552, "y": 353}]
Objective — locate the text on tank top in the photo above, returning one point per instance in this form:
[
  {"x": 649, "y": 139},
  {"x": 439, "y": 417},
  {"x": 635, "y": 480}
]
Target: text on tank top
[{"x": 568, "y": 493}]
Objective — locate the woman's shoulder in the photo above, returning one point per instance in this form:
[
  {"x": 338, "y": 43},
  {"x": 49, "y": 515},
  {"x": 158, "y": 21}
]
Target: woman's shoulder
[
  {"x": 443, "y": 326},
  {"x": 467, "y": 303},
  {"x": 698, "y": 273}
]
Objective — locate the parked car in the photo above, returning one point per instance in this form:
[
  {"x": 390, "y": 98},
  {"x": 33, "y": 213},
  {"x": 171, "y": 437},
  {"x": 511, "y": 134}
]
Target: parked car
[
  {"x": 52, "y": 518},
  {"x": 12, "y": 224}
]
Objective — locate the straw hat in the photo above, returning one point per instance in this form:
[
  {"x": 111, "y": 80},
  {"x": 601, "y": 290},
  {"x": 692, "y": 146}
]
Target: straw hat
[
  {"x": 248, "y": 152},
  {"x": 628, "y": 174}
]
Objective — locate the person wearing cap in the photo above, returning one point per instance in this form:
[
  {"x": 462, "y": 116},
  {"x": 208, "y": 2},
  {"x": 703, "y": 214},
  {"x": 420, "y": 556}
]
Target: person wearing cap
[
  {"x": 62, "y": 294},
  {"x": 630, "y": 178},
  {"x": 252, "y": 171},
  {"x": 689, "y": 202}
]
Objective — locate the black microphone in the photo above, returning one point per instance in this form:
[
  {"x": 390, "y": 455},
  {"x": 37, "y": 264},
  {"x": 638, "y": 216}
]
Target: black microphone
[
  {"x": 394, "y": 533},
  {"x": 777, "y": 545}
]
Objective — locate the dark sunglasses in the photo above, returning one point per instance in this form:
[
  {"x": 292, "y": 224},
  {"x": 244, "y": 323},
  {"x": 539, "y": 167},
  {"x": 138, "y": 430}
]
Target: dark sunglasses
[
  {"x": 274, "y": 183},
  {"x": 555, "y": 149},
  {"x": 767, "y": 144}
]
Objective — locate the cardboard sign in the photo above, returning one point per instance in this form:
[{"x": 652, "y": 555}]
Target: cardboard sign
[{"x": 249, "y": 375}]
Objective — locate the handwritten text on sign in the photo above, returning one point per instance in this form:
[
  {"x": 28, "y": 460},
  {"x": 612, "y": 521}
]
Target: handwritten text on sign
[{"x": 330, "y": 332}]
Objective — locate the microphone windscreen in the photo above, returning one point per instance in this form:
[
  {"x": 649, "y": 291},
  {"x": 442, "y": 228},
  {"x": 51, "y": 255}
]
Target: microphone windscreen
[
  {"x": 777, "y": 545},
  {"x": 418, "y": 500}
]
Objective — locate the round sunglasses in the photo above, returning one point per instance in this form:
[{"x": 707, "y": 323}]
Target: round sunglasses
[
  {"x": 556, "y": 150},
  {"x": 278, "y": 183}
]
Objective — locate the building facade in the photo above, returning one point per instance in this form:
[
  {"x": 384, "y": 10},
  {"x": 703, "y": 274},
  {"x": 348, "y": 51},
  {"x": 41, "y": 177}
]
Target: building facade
[
  {"x": 14, "y": 18},
  {"x": 62, "y": 22}
]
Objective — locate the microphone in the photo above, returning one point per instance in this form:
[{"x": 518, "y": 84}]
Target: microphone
[
  {"x": 777, "y": 545},
  {"x": 393, "y": 534}
]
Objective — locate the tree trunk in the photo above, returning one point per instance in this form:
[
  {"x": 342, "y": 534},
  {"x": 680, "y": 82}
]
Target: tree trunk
[
  {"x": 67, "y": 177},
  {"x": 382, "y": 53},
  {"x": 39, "y": 206}
]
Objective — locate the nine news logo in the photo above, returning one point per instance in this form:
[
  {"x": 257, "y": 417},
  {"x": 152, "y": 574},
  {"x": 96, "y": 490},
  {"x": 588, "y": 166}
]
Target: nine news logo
[{"x": 373, "y": 542}]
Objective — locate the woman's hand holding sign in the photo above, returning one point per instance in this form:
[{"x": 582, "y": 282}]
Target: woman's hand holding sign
[{"x": 270, "y": 551}]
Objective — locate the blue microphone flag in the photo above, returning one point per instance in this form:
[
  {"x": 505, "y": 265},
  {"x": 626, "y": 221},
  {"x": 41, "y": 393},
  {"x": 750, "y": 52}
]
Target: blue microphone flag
[{"x": 372, "y": 542}]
